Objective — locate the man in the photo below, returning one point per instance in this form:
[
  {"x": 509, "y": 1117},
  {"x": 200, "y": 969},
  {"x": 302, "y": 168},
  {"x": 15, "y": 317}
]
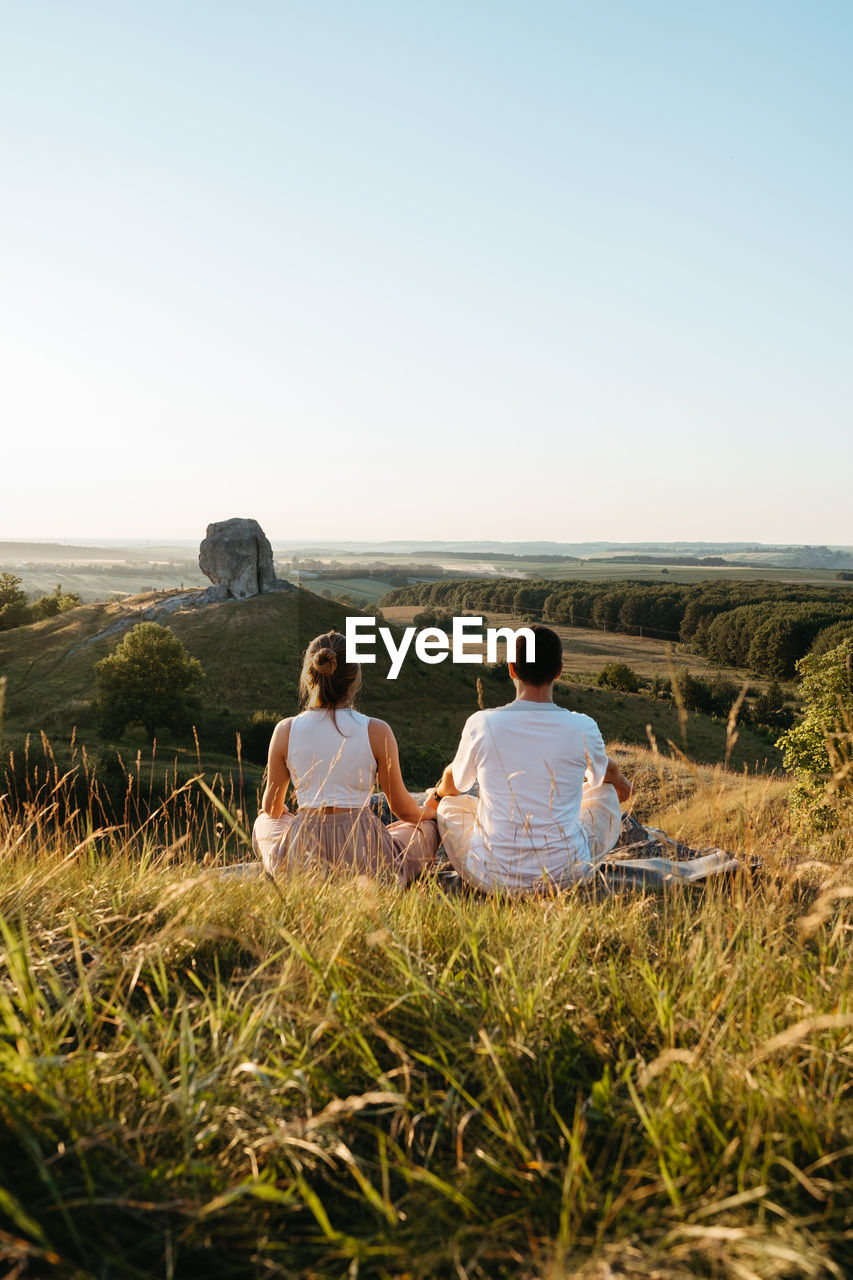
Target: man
[{"x": 549, "y": 796}]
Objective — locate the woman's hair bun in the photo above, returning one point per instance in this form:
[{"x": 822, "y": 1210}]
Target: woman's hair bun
[{"x": 324, "y": 662}]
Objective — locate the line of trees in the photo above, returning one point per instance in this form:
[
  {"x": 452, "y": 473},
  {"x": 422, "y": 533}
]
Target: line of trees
[
  {"x": 16, "y": 609},
  {"x": 764, "y": 627}
]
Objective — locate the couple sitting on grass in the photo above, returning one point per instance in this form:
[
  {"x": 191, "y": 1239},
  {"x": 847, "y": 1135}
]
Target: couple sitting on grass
[{"x": 547, "y": 807}]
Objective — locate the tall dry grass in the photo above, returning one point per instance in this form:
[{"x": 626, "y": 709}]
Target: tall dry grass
[{"x": 328, "y": 1077}]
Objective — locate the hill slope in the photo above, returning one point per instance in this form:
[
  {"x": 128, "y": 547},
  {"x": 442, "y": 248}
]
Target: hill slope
[{"x": 251, "y": 652}]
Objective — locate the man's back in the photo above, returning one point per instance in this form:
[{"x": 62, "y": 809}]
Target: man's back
[{"x": 529, "y": 759}]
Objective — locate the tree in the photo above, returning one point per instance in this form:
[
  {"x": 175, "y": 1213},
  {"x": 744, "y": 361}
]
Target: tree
[
  {"x": 692, "y": 692},
  {"x": 618, "y": 675},
  {"x": 831, "y": 637},
  {"x": 14, "y": 607},
  {"x": 769, "y": 708},
  {"x": 819, "y": 749},
  {"x": 149, "y": 680},
  {"x": 58, "y": 601}
]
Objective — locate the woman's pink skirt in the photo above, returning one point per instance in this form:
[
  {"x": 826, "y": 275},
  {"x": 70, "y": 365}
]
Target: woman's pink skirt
[{"x": 356, "y": 841}]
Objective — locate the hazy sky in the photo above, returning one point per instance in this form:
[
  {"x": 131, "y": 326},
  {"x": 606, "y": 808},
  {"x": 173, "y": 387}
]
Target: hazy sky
[{"x": 410, "y": 269}]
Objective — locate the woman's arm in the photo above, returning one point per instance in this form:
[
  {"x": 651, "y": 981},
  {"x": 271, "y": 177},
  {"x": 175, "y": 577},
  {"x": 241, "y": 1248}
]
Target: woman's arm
[
  {"x": 278, "y": 774},
  {"x": 383, "y": 744}
]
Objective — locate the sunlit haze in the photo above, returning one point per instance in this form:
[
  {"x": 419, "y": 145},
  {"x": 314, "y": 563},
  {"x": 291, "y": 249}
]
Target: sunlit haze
[{"x": 465, "y": 270}]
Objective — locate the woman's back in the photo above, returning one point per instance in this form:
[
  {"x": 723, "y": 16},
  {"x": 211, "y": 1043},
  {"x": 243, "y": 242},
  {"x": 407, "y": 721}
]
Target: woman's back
[{"x": 330, "y": 758}]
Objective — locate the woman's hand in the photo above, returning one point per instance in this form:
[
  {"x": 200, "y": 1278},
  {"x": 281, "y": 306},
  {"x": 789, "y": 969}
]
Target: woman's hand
[{"x": 429, "y": 810}]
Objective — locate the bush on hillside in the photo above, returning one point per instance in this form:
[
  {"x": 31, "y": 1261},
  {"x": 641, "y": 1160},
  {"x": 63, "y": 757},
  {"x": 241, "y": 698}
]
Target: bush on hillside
[
  {"x": 433, "y": 618},
  {"x": 16, "y": 610},
  {"x": 692, "y": 692},
  {"x": 422, "y": 764},
  {"x": 255, "y": 737},
  {"x": 724, "y": 695},
  {"x": 769, "y": 708},
  {"x": 618, "y": 675},
  {"x": 819, "y": 750},
  {"x": 57, "y": 602}
]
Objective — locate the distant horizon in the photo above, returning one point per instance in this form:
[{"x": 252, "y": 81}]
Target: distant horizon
[{"x": 425, "y": 544}]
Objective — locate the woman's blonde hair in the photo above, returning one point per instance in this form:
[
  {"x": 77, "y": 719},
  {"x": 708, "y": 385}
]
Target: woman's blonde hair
[{"x": 326, "y": 679}]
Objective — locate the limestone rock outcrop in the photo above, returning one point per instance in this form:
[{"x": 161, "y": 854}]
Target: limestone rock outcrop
[{"x": 237, "y": 557}]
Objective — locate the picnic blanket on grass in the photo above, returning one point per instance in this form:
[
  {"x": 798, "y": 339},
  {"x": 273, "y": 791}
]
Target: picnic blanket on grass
[
  {"x": 647, "y": 856},
  {"x": 643, "y": 858}
]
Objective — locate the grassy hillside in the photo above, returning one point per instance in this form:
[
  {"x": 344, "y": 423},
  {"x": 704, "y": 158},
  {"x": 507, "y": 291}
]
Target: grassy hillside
[
  {"x": 251, "y": 652},
  {"x": 209, "y": 1076}
]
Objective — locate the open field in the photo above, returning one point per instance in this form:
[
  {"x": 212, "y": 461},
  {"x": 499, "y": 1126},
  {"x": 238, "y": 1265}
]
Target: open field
[
  {"x": 633, "y": 717},
  {"x": 97, "y": 573},
  {"x": 92, "y": 583},
  {"x": 586, "y": 650},
  {"x": 364, "y": 591},
  {"x": 204, "y": 1075},
  {"x": 599, "y": 570}
]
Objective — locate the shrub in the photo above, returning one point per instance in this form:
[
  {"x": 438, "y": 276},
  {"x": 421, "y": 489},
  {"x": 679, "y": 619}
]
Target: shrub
[
  {"x": 57, "y": 602},
  {"x": 255, "y": 737},
  {"x": 433, "y": 618},
  {"x": 618, "y": 675},
  {"x": 694, "y": 693},
  {"x": 724, "y": 694},
  {"x": 421, "y": 764},
  {"x": 769, "y": 708},
  {"x": 819, "y": 750},
  {"x": 661, "y": 687}
]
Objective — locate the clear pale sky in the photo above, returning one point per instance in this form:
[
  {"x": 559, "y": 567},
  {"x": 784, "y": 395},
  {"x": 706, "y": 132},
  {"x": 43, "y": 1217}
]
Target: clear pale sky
[{"x": 409, "y": 269}]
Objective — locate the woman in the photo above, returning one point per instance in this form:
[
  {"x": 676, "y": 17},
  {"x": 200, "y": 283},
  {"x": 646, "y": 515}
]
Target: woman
[{"x": 333, "y": 756}]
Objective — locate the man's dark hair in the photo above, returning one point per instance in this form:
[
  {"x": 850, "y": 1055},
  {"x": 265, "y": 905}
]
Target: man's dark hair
[{"x": 545, "y": 667}]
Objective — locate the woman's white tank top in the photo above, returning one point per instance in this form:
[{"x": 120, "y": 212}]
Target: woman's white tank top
[{"x": 329, "y": 765}]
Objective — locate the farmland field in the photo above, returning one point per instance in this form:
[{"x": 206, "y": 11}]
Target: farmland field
[
  {"x": 98, "y": 573},
  {"x": 586, "y": 650}
]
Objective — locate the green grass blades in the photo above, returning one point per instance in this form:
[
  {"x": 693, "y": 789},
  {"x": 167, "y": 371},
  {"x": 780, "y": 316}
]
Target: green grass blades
[{"x": 204, "y": 1074}]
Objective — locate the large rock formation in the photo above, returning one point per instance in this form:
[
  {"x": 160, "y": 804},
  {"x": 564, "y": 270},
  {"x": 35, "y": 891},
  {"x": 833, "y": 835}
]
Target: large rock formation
[{"x": 237, "y": 557}]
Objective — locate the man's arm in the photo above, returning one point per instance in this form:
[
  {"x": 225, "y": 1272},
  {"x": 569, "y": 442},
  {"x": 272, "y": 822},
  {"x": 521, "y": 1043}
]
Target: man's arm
[
  {"x": 614, "y": 775},
  {"x": 463, "y": 762},
  {"x": 446, "y": 786}
]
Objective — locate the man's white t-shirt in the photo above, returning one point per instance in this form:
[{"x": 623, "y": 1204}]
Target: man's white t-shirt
[{"x": 530, "y": 760}]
